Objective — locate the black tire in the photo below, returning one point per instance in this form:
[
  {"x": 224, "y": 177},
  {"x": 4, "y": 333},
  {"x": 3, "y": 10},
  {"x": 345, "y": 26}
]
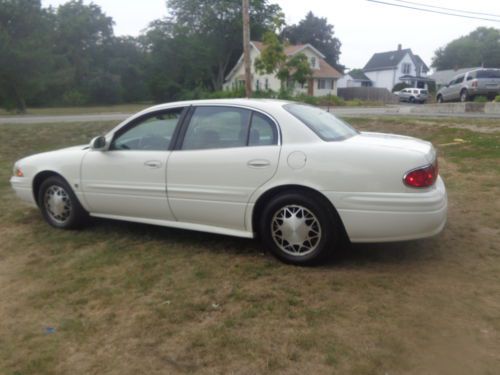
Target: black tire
[
  {"x": 412, "y": 100},
  {"x": 59, "y": 205},
  {"x": 440, "y": 99},
  {"x": 464, "y": 96},
  {"x": 314, "y": 214}
]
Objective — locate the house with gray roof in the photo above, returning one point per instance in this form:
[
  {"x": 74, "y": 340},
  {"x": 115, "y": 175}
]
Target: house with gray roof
[{"x": 386, "y": 69}]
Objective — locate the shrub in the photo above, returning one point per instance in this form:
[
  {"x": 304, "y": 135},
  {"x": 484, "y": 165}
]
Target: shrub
[
  {"x": 480, "y": 99},
  {"x": 400, "y": 86},
  {"x": 497, "y": 98}
]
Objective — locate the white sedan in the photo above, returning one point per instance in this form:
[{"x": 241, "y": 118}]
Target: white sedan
[{"x": 293, "y": 175}]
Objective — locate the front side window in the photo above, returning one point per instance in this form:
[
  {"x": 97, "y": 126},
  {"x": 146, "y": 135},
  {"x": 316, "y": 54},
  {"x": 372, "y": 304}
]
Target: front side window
[
  {"x": 217, "y": 127},
  {"x": 324, "y": 124},
  {"x": 152, "y": 132},
  {"x": 459, "y": 80}
]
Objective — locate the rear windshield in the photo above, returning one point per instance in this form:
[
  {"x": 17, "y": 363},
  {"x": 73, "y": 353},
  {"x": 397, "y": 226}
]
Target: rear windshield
[
  {"x": 488, "y": 73},
  {"x": 324, "y": 124}
]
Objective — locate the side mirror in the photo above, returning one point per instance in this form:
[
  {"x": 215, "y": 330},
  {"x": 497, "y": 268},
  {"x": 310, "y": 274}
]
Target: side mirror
[{"x": 98, "y": 143}]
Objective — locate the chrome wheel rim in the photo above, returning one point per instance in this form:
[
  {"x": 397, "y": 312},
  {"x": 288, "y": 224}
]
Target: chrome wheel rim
[
  {"x": 57, "y": 204},
  {"x": 296, "y": 230}
]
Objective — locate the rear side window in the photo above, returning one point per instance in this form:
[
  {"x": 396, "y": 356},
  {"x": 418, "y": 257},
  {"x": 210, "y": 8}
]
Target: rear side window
[
  {"x": 217, "y": 127},
  {"x": 423, "y": 91},
  {"x": 488, "y": 73},
  {"x": 324, "y": 124},
  {"x": 263, "y": 132}
]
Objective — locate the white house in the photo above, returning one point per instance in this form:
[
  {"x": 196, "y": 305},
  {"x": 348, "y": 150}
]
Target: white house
[
  {"x": 386, "y": 69},
  {"x": 323, "y": 81},
  {"x": 355, "y": 78}
]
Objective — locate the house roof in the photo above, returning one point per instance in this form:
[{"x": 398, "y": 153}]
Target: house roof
[
  {"x": 325, "y": 70},
  {"x": 358, "y": 74},
  {"x": 386, "y": 60},
  {"x": 290, "y": 49},
  {"x": 420, "y": 61}
]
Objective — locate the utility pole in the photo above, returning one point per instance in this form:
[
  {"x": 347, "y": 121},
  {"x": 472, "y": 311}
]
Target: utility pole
[{"x": 246, "y": 48}]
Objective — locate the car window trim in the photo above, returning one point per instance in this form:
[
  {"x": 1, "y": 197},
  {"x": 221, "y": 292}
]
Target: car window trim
[
  {"x": 184, "y": 126},
  {"x": 133, "y": 123}
]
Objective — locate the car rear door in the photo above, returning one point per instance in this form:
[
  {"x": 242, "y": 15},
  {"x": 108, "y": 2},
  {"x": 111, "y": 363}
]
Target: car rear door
[{"x": 223, "y": 155}]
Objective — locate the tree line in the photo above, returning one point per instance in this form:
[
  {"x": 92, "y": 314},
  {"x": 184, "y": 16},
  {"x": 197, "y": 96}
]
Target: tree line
[{"x": 69, "y": 55}]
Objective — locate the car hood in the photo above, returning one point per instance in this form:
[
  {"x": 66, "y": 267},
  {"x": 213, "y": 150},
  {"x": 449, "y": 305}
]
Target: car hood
[{"x": 393, "y": 141}]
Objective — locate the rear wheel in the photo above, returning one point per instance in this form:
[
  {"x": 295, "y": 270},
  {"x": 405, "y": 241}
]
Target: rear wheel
[
  {"x": 412, "y": 100},
  {"x": 464, "y": 96},
  {"x": 299, "y": 229},
  {"x": 59, "y": 205},
  {"x": 439, "y": 99}
]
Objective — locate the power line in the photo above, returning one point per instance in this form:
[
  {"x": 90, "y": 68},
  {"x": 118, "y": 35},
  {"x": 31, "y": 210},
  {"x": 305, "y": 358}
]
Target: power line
[
  {"x": 453, "y": 10},
  {"x": 434, "y": 11}
]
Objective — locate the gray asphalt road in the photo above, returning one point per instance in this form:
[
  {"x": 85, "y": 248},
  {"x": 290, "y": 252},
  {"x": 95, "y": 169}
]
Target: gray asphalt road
[
  {"x": 63, "y": 118},
  {"x": 392, "y": 110}
]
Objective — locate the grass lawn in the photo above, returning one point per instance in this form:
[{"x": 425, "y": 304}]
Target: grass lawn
[{"x": 120, "y": 298}]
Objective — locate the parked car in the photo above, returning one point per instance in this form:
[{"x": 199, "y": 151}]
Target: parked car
[
  {"x": 293, "y": 175},
  {"x": 413, "y": 95},
  {"x": 466, "y": 86}
]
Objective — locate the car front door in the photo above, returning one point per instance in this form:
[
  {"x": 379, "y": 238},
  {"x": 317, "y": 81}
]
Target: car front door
[
  {"x": 224, "y": 154},
  {"x": 454, "y": 89},
  {"x": 129, "y": 178}
]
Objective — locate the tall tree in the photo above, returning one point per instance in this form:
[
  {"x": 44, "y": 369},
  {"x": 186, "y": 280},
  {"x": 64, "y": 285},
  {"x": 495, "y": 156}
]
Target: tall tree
[
  {"x": 25, "y": 51},
  {"x": 479, "y": 48},
  {"x": 204, "y": 36},
  {"x": 320, "y": 34}
]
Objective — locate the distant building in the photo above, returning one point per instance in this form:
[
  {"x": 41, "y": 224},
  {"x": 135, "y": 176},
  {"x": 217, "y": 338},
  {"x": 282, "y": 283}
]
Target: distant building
[
  {"x": 323, "y": 81},
  {"x": 386, "y": 69},
  {"x": 355, "y": 78}
]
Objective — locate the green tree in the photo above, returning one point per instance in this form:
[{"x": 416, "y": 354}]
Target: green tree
[
  {"x": 274, "y": 60},
  {"x": 199, "y": 42},
  {"x": 319, "y": 33},
  {"x": 479, "y": 48},
  {"x": 25, "y": 51}
]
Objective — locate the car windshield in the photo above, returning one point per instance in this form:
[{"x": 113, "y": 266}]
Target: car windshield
[{"x": 324, "y": 124}]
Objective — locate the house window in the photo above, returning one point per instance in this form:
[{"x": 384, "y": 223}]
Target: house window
[
  {"x": 241, "y": 83},
  {"x": 266, "y": 84},
  {"x": 257, "y": 84},
  {"x": 325, "y": 84},
  {"x": 418, "y": 70},
  {"x": 406, "y": 68},
  {"x": 313, "y": 62}
]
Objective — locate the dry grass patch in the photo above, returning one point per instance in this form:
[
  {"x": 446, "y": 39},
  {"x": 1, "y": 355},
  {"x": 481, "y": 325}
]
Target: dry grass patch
[{"x": 134, "y": 299}]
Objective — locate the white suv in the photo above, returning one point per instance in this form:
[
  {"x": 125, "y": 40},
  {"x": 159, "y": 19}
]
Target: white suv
[{"x": 413, "y": 95}]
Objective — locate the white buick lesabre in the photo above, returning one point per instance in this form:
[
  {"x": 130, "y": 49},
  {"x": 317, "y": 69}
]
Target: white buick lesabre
[{"x": 293, "y": 175}]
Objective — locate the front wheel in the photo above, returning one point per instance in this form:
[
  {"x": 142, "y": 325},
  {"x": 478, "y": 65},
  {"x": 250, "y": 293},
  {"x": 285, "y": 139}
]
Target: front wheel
[
  {"x": 299, "y": 229},
  {"x": 440, "y": 99},
  {"x": 59, "y": 205}
]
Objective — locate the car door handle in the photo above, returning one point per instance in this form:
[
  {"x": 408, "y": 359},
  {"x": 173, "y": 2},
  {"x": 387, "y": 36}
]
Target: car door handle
[
  {"x": 259, "y": 163},
  {"x": 153, "y": 163}
]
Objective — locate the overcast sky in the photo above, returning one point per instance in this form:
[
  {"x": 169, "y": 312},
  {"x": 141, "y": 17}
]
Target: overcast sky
[{"x": 363, "y": 27}]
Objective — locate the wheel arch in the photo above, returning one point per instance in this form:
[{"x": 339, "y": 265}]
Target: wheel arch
[
  {"x": 40, "y": 177},
  {"x": 267, "y": 196}
]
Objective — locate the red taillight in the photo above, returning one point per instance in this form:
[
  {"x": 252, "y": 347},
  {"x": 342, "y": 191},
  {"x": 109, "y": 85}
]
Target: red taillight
[{"x": 422, "y": 177}]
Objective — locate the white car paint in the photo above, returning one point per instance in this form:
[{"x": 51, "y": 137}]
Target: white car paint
[{"x": 216, "y": 190}]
